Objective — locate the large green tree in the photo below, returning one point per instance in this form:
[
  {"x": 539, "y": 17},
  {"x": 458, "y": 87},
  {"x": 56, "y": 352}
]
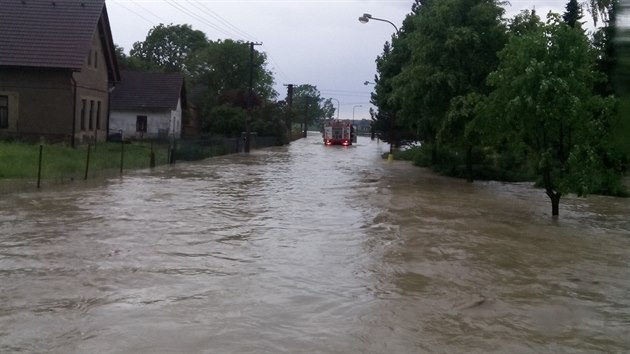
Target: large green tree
[
  {"x": 309, "y": 107},
  {"x": 223, "y": 68},
  {"x": 169, "y": 47},
  {"x": 621, "y": 77},
  {"x": 127, "y": 62},
  {"x": 389, "y": 127},
  {"x": 573, "y": 13},
  {"x": 543, "y": 99},
  {"x": 453, "y": 49}
]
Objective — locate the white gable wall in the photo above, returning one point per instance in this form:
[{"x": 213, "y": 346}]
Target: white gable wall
[{"x": 159, "y": 124}]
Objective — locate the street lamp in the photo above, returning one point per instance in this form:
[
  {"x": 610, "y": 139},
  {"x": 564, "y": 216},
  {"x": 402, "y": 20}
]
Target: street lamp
[
  {"x": 367, "y": 17},
  {"x": 369, "y": 83}
]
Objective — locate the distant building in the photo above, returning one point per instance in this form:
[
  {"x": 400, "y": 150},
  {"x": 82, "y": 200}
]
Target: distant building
[
  {"x": 148, "y": 105},
  {"x": 364, "y": 126},
  {"x": 57, "y": 64}
]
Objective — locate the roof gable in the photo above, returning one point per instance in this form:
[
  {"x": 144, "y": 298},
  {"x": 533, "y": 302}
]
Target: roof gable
[
  {"x": 145, "y": 91},
  {"x": 53, "y": 34}
]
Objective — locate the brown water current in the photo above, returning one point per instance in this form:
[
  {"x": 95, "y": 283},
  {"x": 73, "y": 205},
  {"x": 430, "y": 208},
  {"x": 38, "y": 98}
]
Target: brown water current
[{"x": 310, "y": 249}]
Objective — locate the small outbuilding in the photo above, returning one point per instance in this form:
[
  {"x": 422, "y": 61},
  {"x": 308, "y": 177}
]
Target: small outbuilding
[{"x": 148, "y": 105}]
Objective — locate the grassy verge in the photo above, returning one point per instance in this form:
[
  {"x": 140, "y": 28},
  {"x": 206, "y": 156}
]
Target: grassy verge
[{"x": 20, "y": 160}]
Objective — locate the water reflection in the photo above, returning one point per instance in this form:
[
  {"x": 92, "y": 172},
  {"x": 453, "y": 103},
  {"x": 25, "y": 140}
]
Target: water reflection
[{"x": 310, "y": 249}]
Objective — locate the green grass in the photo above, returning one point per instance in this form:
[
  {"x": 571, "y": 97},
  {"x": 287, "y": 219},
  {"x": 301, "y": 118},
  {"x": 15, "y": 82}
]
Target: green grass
[{"x": 20, "y": 160}]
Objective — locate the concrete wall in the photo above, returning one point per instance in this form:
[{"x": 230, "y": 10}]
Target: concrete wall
[
  {"x": 43, "y": 102},
  {"x": 40, "y": 102},
  {"x": 92, "y": 88},
  {"x": 159, "y": 124}
]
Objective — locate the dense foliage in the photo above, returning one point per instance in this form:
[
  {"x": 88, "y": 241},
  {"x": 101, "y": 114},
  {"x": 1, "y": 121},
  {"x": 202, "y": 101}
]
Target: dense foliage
[
  {"x": 510, "y": 99},
  {"x": 219, "y": 74}
]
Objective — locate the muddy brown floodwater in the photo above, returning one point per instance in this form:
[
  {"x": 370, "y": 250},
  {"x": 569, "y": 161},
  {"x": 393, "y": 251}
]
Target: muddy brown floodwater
[{"x": 310, "y": 249}]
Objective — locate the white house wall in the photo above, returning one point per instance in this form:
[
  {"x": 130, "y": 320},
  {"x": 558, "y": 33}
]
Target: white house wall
[
  {"x": 176, "y": 118},
  {"x": 167, "y": 122}
]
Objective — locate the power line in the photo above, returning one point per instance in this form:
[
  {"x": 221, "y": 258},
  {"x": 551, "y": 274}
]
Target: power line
[
  {"x": 344, "y": 91},
  {"x": 190, "y": 13},
  {"x": 199, "y": 7},
  {"x": 279, "y": 70},
  {"x": 120, "y": 3},
  {"x": 148, "y": 11},
  {"x": 218, "y": 17}
]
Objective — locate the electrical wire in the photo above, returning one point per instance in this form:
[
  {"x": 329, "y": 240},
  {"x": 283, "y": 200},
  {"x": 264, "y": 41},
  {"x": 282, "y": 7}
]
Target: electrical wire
[
  {"x": 192, "y": 14},
  {"x": 148, "y": 11},
  {"x": 120, "y": 3},
  {"x": 218, "y": 17}
]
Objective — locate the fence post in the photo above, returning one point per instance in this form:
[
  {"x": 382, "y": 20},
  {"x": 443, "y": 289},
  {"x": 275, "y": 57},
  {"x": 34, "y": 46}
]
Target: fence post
[
  {"x": 122, "y": 153},
  {"x": 87, "y": 163},
  {"x": 152, "y": 157},
  {"x": 172, "y": 153},
  {"x": 39, "y": 167}
]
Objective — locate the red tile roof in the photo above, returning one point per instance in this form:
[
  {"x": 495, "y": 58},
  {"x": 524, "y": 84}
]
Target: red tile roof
[
  {"x": 49, "y": 33},
  {"x": 145, "y": 91}
]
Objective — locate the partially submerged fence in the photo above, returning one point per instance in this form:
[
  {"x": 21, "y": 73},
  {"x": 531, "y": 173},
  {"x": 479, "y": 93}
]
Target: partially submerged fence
[
  {"x": 61, "y": 164},
  {"x": 204, "y": 147}
]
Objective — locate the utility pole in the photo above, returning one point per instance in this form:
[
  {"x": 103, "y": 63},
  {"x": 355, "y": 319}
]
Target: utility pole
[
  {"x": 306, "y": 116},
  {"x": 250, "y": 96},
  {"x": 289, "y": 122},
  {"x": 290, "y": 95}
]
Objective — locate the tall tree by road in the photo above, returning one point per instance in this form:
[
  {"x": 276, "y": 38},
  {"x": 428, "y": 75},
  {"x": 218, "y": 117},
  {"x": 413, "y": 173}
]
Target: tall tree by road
[
  {"x": 170, "y": 46},
  {"x": 387, "y": 125},
  {"x": 223, "y": 68},
  {"x": 310, "y": 107},
  {"x": 543, "y": 98},
  {"x": 573, "y": 13},
  {"x": 453, "y": 49}
]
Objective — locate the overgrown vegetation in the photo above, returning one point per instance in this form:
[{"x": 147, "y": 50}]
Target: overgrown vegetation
[
  {"x": 509, "y": 99},
  {"x": 61, "y": 162},
  {"x": 219, "y": 75}
]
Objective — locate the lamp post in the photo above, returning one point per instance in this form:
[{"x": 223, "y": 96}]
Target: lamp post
[
  {"x": 352, "y": 132},
  {"x": 337, "y": 107},
  {"x": 369, "y": 83},
  {"x": 367, "y": 17}
]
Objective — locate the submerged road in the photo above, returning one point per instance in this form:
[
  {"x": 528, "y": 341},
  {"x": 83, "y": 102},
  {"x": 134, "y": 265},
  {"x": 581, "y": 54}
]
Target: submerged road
[{"x": 310, "y": 249}]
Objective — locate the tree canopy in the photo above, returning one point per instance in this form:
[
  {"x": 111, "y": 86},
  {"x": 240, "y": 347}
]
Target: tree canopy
[
  {"x": 169, "y": 47},
  {"x": 505, "y": 99},
  {"x": 543, "y": 96},
  {"x": 217, "y": 71}
]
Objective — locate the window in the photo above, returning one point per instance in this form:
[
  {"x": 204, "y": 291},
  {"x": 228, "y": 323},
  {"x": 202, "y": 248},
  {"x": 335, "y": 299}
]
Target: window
[
  {"x": 98, "y": 115},
  {"x": 83, "y": 106},
  {"x": 91, "y": 115},
  {"x": 4, "y": 112},
  {"x": 90, "y": 58},
  {"x": 141, "y": 124}
]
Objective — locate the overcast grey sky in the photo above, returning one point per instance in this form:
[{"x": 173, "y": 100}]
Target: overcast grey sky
[{"x": 317, "y": 42}]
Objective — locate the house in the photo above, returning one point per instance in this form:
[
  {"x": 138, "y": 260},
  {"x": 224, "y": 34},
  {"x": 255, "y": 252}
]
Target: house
[
  {"x": 57, "y": 64},
  {"x": 148, "y": 105}
]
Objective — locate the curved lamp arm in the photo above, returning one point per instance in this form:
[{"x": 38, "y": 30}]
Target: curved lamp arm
[{"x": 367, "y": 17}]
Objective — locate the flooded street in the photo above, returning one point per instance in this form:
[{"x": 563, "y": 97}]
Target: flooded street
[{"x": 310, "y": 249}]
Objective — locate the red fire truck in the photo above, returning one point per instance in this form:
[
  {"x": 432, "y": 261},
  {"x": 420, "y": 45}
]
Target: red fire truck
[{"x": 339, "y": 132}]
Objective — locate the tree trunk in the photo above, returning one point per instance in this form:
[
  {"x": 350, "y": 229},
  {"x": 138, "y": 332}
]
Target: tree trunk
[
  {"x": 555, "y": 203},
  {"x": 554, "y": 196}
]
